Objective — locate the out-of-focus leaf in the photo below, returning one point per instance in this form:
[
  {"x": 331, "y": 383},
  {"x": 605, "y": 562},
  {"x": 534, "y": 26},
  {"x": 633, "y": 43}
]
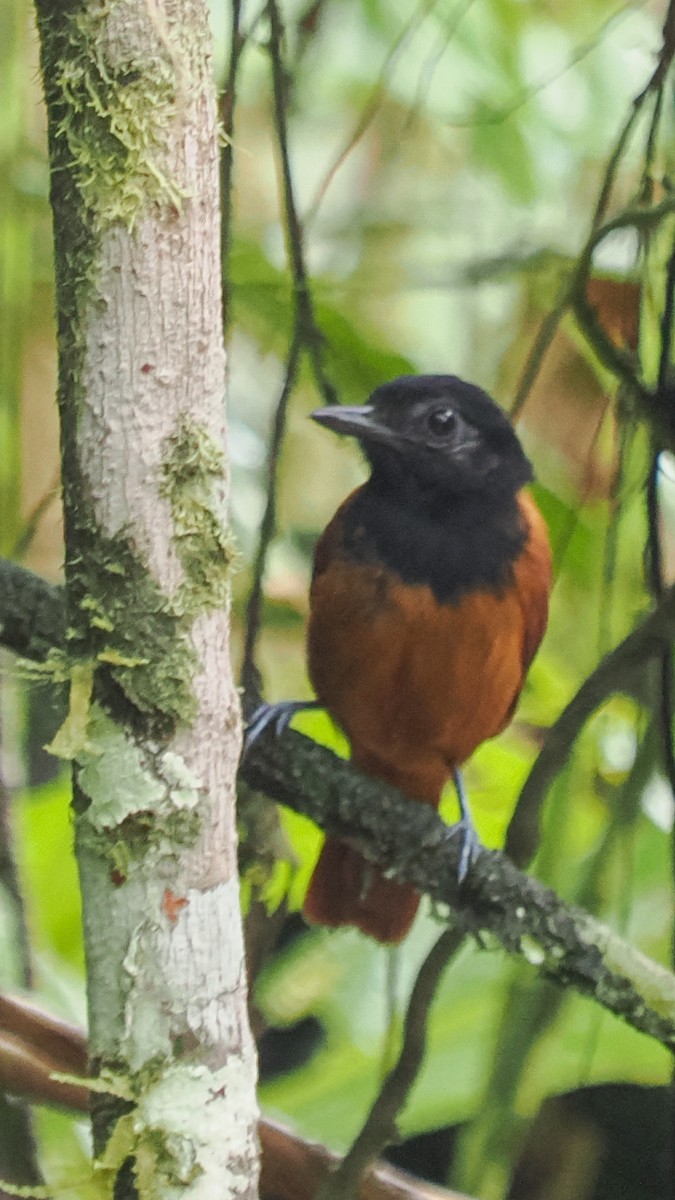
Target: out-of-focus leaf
[
  {"x": 49, "y": 870},
  {"x": 356, "y": 358}
]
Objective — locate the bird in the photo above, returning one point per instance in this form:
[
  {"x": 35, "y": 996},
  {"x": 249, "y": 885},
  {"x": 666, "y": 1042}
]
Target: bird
[{"x": 428, "y": 600}]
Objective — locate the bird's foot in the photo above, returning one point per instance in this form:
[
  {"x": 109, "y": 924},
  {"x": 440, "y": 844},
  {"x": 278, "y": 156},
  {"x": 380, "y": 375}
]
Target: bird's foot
[
  {"x": 277, "y": 716},
  {"x": 466, "y": 830}
]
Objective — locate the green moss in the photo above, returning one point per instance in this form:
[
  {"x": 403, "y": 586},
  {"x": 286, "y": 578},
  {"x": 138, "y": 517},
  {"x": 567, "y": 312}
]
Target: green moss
[
  {"x": 128, "y": 623},
  {"x": 109, "y": 127},
  {"x": 125, "y": 620},
  {"x": 139, "y": 838},
  {"x": 114, "y": 119},
  {"x": 159, "y": 1156},
  {"x": 164, "y": 1160},
  {"x": 120, "y": 616},
  {"x": 193, "y": 483}
]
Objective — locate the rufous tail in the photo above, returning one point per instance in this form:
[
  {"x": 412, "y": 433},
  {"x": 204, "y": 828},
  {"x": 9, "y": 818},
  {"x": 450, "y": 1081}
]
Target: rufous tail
[{"x": 347, "y": 890}]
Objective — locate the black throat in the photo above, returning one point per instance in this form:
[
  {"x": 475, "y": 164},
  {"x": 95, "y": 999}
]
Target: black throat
[{"x": 452, "y": 543}]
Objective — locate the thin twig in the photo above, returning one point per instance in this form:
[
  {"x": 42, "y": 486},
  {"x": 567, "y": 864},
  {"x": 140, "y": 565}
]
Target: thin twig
[
  {"x": 498, "y": 116},
  {"x": 656, "y": 567},
  {"x": 619, "y": 670},
  {"x": 619, "y": 362},
  {"x": 250, "y": 676},
  {"x": 27, "y": 532},
  {"x": 619, "y": 148},
  {"x": 18, "y": 1149},
  {"x": 305, "y": 337},
  {"x": 574, "y": 286},
  {"x": 545, "y": 335},
  {"x": 622, "y": 364},
  {"x": 228, "y": 103},
  {"x": 665, "y": 358},
  {"x": 665, "y": 698},
  {"x": 292, "y": 225},
  {"x": 611, "y": 546},
  {"x": 431, "y": 63},
  {"x": 372, "y": 106},
  {"x": 379, "y": 1129},
  {"x": 306, "y": 325},
  {"x": 647, "y": 186},
  {"x": 668, "y": 48},
  {"x": 9, "y": 881}
]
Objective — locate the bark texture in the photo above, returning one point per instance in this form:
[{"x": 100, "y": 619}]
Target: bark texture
[{"x": 154, "y": 726}]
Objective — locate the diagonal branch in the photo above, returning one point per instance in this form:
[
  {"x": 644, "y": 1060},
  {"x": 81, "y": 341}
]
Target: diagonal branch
[
  {"x": 412, "y": 843},
  {"x": 617, "y": 670},
  {"x": 380, "y": 1128},
  {"x": 32, "y": 613},
  {"x": 37, "y": 1048},
  {"x": 44, "y": 1060}
]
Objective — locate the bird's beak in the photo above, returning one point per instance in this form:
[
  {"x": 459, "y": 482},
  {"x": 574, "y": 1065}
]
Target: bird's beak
[{"x": 354, "y": 420}]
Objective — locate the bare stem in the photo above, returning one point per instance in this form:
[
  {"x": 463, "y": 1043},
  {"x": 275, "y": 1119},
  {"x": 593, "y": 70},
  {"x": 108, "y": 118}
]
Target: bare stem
[{"x": 379, "y": 1129}]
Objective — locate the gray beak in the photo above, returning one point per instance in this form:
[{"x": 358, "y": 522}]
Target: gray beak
[{"x": 355, "y": 421}]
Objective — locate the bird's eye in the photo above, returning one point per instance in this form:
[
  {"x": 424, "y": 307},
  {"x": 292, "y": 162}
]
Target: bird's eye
[{"x": 442, "y": 421}]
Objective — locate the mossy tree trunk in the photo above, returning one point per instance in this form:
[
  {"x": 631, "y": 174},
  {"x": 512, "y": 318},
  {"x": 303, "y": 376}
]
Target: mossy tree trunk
[{"x": 154, "y": 727}]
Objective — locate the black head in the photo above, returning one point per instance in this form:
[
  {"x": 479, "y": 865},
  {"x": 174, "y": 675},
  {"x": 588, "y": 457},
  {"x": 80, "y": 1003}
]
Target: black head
[{"x": 446, "y": 435}]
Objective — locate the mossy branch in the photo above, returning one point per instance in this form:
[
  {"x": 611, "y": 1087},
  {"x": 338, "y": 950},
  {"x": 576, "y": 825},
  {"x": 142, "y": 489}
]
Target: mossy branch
[
  {"x": 32, "y": 613},
  {"x": 412, "y": 844}
]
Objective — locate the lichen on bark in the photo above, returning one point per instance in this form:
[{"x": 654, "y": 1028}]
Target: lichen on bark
[
  {"x": 154, "y": 729},
  {"x": 127, "y": 622},
  {"x": 193, "y": 479}
]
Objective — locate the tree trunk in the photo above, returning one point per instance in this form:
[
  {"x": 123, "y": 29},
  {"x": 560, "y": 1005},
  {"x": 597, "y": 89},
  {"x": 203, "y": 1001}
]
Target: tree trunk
[{"x": 154, "y": 726}]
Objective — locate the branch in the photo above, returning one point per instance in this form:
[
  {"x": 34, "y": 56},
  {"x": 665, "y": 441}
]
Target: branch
[
  {"x": 34, "y": 1047},
  {"x": 227, "y": 107},
  {"x": 616, "y": 671},
  {"x": 306, "y": 326},
  {"x": 411, "y": 843},
  {"x": 573, "y": 290},
  {"x": 292, "y": 1168},
  {"x": 32, "y": 613},
  {"x": 379, "y": 1129},
  {"x": 306, "y": 337}
]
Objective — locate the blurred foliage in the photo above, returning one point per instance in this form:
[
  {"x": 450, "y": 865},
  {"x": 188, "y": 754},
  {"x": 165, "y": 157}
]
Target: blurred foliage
[{"x": 446, "y": 159}]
